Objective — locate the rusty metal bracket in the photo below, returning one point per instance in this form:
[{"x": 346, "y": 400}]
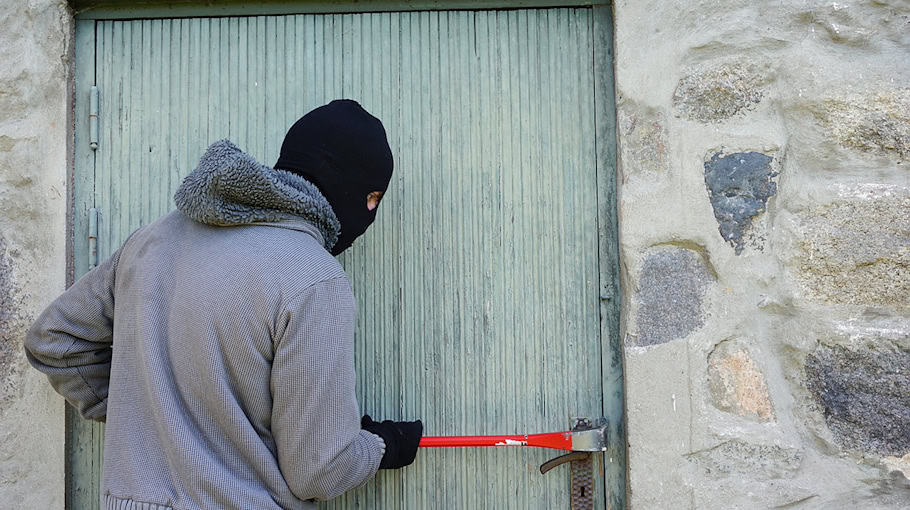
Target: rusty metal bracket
[{"x": 582, "y": 470}]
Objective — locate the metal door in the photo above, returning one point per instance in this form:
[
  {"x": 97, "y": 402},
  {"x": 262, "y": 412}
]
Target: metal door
[{"x": 486, "y": 287}]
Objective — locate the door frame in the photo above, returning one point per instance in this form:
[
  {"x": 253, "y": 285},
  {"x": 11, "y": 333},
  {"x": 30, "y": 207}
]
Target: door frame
[
  {"x": 144, "y": 9},
  {"x": 82, "y": 437}
]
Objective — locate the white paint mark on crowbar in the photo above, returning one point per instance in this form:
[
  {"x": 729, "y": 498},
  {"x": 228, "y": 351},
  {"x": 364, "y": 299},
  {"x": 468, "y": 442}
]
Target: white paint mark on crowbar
[{"x": 512, "y": 442}]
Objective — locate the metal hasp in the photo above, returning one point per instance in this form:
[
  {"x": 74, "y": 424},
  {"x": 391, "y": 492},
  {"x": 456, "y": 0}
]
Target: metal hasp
[
  {"x": 93, "y": 118},
  {"x": 590, "y": 436}
]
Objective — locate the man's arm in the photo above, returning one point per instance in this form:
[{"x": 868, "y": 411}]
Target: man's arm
[
  {"x": 71, "y": 340},
  {"x": 322, "y": 451}
]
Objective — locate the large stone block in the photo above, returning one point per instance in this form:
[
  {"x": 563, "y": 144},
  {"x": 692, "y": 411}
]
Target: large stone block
[
  {"x": 857, "y": 250},
  {"x": 672, "y": 289},
  {"x": 864, "y": 393},
  {"x": 739, "y": 186},
  {"x": 717, "y": 92},
  {"x": 736, "y": 384},
  {"x": 876, "y": 122}
]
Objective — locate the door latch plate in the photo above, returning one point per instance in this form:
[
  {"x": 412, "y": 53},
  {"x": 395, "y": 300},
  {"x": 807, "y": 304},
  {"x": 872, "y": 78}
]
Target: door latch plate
[
  {"x": 582, "y": 483},
  {"x": 582, "y": 473}
]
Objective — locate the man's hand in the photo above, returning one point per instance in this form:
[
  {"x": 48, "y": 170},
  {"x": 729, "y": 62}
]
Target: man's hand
[{"x": 401, "y": 440}]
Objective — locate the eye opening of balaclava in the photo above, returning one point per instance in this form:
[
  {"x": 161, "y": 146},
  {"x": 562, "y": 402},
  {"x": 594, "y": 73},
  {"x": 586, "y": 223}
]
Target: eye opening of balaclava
[{"x": 343, "y": 150}]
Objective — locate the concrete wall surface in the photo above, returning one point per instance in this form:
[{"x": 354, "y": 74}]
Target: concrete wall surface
[
  {"x": 765, "y": 239},
  {"x": 35, "y": 67}
]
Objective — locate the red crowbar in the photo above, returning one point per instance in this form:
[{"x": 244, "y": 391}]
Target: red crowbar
[{"x": 590, "y": 440}]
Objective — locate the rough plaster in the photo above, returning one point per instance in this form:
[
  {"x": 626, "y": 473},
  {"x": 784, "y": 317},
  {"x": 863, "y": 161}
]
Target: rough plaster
[
  {"x": 34, "y": 103},
  {"x": 12, "y": 323},
  {"x": 821, "y": 88}
]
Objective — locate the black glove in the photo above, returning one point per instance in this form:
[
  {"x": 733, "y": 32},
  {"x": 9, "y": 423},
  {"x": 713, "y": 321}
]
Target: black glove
[{"x": 401, "y": 440}]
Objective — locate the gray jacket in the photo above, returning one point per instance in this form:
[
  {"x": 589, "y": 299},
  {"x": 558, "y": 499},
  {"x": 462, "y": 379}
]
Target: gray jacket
[{"x": 217, "y": 343}]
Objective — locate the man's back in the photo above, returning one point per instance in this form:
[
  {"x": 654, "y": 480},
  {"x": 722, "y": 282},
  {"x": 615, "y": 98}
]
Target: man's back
[
  {"x": 197, "y": 308},
  {"x": 218, "y": 345},
  {"x": 218, "y": 342}
]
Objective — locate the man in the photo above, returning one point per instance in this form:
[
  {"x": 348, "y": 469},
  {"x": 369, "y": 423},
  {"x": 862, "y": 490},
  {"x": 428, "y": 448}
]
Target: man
[{"x": 217, "y": 342}]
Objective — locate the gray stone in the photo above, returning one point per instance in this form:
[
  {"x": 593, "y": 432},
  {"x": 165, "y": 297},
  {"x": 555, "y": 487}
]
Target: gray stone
[
  {"x": 737, "y": 457},
  {"x": 857, "y": 251},
  {"x": 720, "y": 92},
  {"x": 864, "y": 393},
  {"x": 877, "y": 122},
  {"x": 739, "y": 186},
  {"x": 672, "y": 288}
]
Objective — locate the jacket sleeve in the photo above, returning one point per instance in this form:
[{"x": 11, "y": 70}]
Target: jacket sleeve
[
  {"x": 322, "y": 451},
  {"x": 71, "y": 340}
]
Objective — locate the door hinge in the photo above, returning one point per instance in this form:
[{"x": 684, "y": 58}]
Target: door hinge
[
  {"x": 92, "y": 238},
  {"x": 93, "y": 118}
]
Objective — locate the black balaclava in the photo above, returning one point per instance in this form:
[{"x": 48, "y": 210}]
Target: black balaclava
[{"x": 343, "y": 150}]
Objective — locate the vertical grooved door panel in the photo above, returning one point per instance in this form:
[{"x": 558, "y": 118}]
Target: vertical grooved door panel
[{"x": 478, "y": 286}]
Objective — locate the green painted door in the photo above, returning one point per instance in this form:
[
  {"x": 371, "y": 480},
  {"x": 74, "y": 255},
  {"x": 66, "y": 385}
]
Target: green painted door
[{"x": 486, "y": 287}]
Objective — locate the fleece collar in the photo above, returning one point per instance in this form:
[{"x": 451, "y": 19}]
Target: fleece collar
[{"x": 229, "y": 187}]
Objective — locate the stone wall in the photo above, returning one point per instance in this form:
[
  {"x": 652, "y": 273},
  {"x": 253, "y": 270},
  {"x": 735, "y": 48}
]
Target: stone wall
[
  {"x": 35, "y": 66},
  {"x": 765, "y": 238}
]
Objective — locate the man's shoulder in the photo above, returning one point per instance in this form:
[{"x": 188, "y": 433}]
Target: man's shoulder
[
  {"x": 289, "y": 259},
  {"x": 268, "y": 254}
]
